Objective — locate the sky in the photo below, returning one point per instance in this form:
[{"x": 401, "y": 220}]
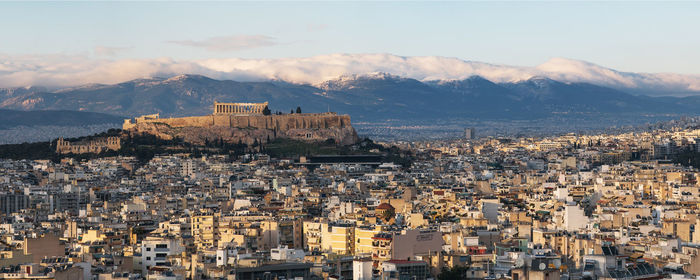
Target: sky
[{"x": 654, "y": 37}]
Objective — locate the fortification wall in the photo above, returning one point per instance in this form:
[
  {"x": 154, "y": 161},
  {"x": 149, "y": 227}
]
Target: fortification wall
[
  {"x": 275, "y": 122},
  {"x": 95, "y": 146},
  {"x": 247, "y": 129}
]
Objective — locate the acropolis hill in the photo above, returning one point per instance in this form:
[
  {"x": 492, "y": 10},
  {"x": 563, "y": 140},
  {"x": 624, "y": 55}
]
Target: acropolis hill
[{"x": 246, "y": 122}]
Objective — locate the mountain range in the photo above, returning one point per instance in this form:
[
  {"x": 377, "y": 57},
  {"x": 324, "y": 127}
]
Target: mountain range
[
  {"x": 58, "y": 71},
  {"x": 370, "y": 97},
  {"x": 13, "y": 118}
]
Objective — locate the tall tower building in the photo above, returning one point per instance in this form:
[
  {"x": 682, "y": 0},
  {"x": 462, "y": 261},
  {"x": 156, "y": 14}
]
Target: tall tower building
[{"x": 469, "y": 133}]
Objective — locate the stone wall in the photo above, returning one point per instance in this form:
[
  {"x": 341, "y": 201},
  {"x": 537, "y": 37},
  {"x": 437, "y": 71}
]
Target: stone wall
[
  {"x": 247, "y": 129},
  {"x": 95, "y": 146},
  {"x": 275, "y": 122}
]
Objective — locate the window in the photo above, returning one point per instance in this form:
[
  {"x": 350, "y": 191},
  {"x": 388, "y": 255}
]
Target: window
[
  {"x": 162, "y": 246},
  {"x": 148, "y": 258},
  {"x": 148, "y": 249}
]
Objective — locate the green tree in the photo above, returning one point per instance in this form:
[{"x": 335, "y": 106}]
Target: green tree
[
  {"x": 298, "y": 110},
  {"x": 266, "y": 111},
  {"x": 456, "y": 272},
  {"x": 388, "y": 215}
]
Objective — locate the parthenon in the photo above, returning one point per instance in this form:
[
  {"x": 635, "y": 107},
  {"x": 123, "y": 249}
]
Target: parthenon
[{"x": 239, "y": 108}]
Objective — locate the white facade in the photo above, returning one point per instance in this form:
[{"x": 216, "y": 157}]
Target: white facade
[
  {"x": 286, "y": 254},
  {"x": 154, "y": 251},
  {"x": 561, "y": 194},
  {"x": 226, "y": 256},
  {"x": 574, "y": 218},
  {"x": 362, "y": 269}
]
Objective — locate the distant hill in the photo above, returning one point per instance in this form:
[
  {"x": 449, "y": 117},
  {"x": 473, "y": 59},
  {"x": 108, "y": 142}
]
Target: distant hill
[
  {"x": 321, "y": 68},
  {"x": 381, "y": 105},
  {"x": 13, "y": 118},
  {"x": 364, "y": 97}
]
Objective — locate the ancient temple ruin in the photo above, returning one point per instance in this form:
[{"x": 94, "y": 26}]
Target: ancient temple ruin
[{"x": 239, "y": 108}]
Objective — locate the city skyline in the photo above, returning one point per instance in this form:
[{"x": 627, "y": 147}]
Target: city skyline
[{"x": 349, "y": 140}]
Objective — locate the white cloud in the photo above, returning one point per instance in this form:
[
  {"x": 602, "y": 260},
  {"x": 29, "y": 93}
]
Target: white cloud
[
  {"x": 230, "y": 43},
  {"x": 63, "y": 71}
]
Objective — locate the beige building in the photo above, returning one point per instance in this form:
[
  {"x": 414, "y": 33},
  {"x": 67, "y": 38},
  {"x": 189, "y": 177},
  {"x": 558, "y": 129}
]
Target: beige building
[
  {"x": 312, "y": 235},
  {"x": 97, "y": 146},
  {"x": 364, "y": 239},
  {"x": 406, "y": 245},
  {"x": 43, "y": 247},
  {"x": 204, "y": 231},
  {"x": 342, "y": 237},
  {"x": 677, "y": 227}
]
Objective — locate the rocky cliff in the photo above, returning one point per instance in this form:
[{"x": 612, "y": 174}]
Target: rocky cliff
[{"x": 248, "y": 129}]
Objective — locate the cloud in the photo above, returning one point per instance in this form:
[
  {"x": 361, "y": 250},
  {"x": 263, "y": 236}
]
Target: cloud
[
  {"x": 230, "y": 43},
  {"x": 108, "y": 51},
  {"x": 57, "y": 71}
]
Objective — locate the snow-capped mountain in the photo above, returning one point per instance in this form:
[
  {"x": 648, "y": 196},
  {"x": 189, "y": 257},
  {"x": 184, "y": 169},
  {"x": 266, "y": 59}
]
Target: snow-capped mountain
[
  {"x": 56, "y": 72},
  {"x": 370, "y": 97},
  {"x": 354, "y": 81}
]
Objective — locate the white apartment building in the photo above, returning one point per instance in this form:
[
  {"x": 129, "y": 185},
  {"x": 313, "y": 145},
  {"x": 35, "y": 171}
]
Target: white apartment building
[{"x": 155, "y": 250}]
